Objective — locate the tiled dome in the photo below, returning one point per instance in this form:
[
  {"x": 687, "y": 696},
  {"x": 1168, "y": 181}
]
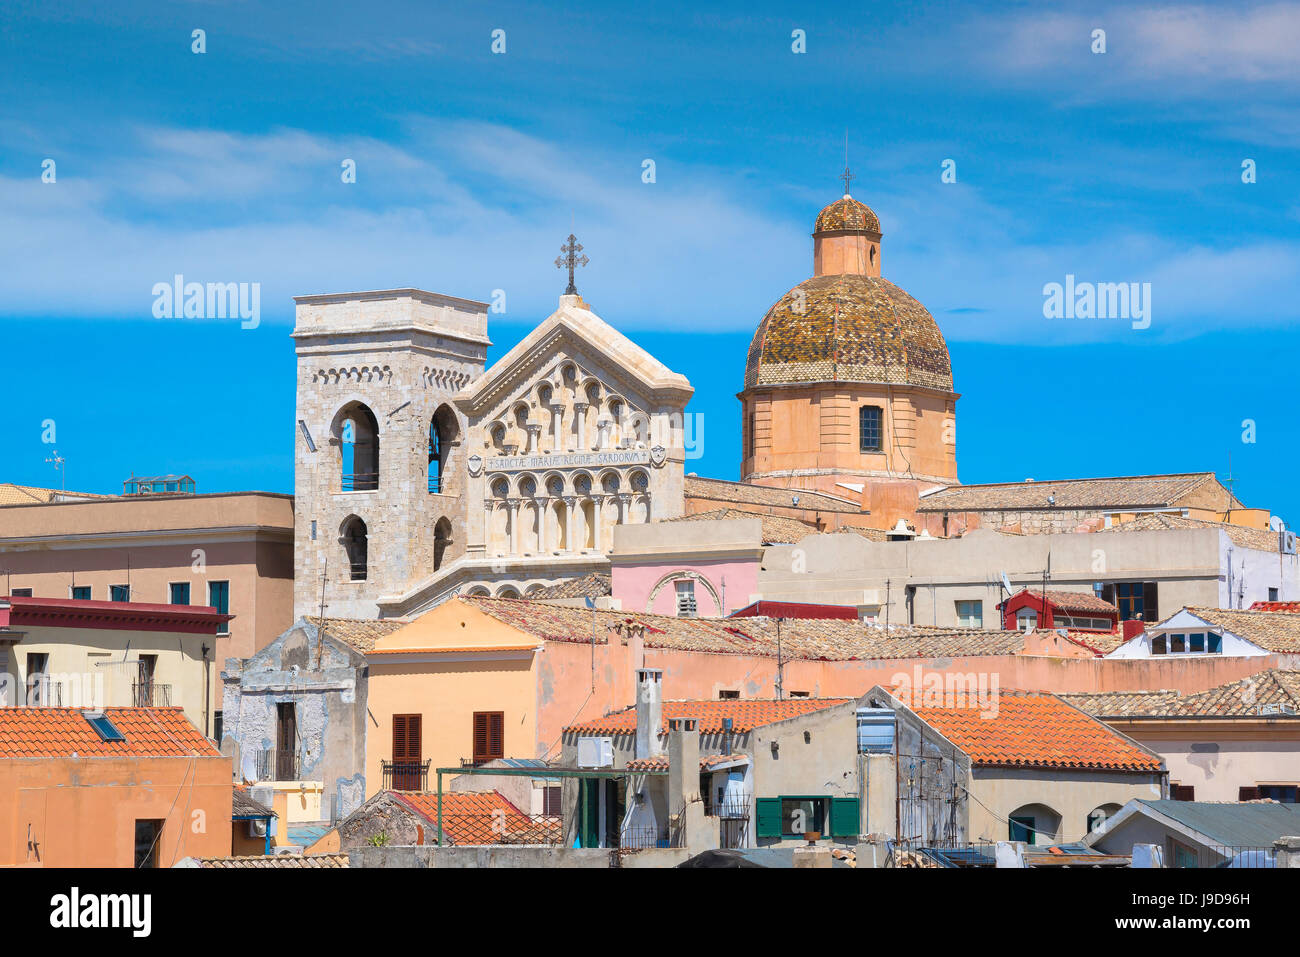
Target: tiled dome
[
  {"x": 847, "y": 215},
  {"x": 848, "y": 328}
]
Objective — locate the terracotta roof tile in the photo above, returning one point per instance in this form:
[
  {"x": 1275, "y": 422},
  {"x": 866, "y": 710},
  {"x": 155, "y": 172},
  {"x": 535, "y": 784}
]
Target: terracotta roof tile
[
  {"x": 63, "y": 732},
  {"x": 660, "y": 762},
  {"x": 1267, "y": 693},
  {"x": 1129, "y": 491},
  {"x": 1259, "y": 539},
  {"x": 745, "y": 714},
  {"x": 480, "y": 817},
  {"x": 777, "y": 529},
  {"x": 592, "y": 585},
  {"x": 360, "y": 633},
  {"x": 1038, "y": 731},
  {"x": 747, "y": 494},
  {"x": 1072, "y": 600},
  {"x": 847, "y": 214},
  {"x": 814, "y": 639},
  {"x": 280, "y": 862},
  {"x": 1270, "y": 630}
]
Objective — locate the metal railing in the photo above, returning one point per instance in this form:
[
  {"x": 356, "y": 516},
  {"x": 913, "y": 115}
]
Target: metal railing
[
  {"x": 151, "y": 694},
  {"x": 735, "y": 806},
  {"x": 502, "y": 827},
  {"x": 359, "y": 481},
  {"x": 273, "y": 764},
  {"x": 405, "y": 775},
  {"x": 1220, "y": 855},
  {"x": 639, "y": 838},
  {"x": 44, "y": 693}
]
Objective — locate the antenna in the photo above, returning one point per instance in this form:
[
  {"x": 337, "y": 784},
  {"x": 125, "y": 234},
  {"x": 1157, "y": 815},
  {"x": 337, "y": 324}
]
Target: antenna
[{"x": 59, "y": 463}]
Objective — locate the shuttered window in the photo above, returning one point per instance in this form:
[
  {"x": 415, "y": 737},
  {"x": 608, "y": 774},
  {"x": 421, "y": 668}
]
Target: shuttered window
[
  {"x": 489, "y": 735},
  {"x": 768, "y": 817},
  {"x": 844, "y": 817},
  {"x": 406, "y": 738}
]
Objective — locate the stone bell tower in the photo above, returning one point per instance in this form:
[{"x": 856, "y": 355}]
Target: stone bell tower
[{"x": 378, "y": 460}]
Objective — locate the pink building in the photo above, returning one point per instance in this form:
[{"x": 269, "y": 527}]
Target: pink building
[{"x": 687, "y": 569}]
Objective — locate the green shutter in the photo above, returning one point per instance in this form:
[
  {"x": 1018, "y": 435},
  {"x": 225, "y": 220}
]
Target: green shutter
[
  {"x": 768, "y": 811},
  {"x": 844, "y": 817}
]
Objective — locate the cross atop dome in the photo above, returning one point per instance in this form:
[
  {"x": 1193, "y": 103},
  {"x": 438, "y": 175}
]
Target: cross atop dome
[{"x": 846, "y": 176}]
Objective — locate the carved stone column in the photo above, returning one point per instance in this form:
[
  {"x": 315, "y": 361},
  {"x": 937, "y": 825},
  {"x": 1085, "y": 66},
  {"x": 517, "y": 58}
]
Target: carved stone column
[
  {"x": 580, "y": 424},
  {"x": 570, "y": 503}
]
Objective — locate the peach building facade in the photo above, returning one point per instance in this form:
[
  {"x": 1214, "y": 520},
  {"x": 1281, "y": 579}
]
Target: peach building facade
[{"x": 234, "y": 547}]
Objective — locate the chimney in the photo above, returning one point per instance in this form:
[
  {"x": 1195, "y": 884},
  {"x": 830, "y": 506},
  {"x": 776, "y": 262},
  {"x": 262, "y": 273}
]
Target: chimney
[
  {"x": 1133, "y": 627},
  {"x": 683, "y": 763},
  {"x": 649, "y": 711}
]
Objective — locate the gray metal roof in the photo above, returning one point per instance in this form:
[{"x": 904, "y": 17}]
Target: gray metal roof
[{"x": 1252, "y": 824}]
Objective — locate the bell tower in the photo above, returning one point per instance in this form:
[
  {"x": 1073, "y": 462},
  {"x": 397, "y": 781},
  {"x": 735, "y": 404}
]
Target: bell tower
[{"x": 378, "y": 443}]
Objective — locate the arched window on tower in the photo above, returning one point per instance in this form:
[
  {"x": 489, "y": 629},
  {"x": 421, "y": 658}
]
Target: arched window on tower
[
  {"x": 443, "y": 430},
  {"x": 355, "y": 548},
  {"x": 359, "y": 449},
  {"x": 441, "y": 539},
  {"x": 870, "y": 428}
]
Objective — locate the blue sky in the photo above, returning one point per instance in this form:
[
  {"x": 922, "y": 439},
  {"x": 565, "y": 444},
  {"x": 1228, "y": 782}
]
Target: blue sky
[{"x": 1123, "y": 166}]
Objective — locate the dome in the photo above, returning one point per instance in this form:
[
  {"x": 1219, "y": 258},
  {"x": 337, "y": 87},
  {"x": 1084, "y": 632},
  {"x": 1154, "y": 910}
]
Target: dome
[
  {"x": 847, "y": 215},
  {"x": 848, "y": 328}
]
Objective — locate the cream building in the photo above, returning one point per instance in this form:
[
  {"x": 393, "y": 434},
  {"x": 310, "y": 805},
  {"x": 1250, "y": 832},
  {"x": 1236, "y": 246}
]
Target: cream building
[{"x": 420, "y": 474}]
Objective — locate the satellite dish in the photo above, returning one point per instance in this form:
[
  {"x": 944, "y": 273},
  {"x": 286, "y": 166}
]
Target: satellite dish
[{"x": 1006, "y": 583}]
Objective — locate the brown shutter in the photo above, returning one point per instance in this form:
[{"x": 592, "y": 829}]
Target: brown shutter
[
  {"x": 1248, "y": 794},
  {"x": 1149, "y": 603},
  {"x": 489, "y": 735},
  {"x": 1182, "y": 792},
  {"x": 406, "y": 738}
]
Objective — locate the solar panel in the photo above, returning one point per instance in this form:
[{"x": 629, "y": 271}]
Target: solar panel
[{"x": 105, "y": 728}]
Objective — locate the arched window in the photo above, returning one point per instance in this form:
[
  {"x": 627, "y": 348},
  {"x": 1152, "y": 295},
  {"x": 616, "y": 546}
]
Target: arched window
[
  {"x": 358, "y": 434},
  {"x": 443, "y": 430},
  {"x": 1100, "y": 815},
  {"x": 870, "y": 432},
  {"x": 1034, "y": 824},
  {"x": 355, "y": 548},
  {"x": 441, "y": 539}
]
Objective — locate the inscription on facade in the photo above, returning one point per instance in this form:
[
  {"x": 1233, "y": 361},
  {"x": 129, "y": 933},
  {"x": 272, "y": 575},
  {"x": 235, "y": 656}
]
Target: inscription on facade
[{"x": 566, "y": 460}]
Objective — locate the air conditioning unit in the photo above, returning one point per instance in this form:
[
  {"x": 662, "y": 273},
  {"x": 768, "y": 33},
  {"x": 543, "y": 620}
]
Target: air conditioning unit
[
  {"x": 257, "y": 827},
  {"x": 595, "y": 752},
  {"x": 1286, "y": 542}
]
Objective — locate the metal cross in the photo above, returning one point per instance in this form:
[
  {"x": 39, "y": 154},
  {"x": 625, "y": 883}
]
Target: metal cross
[
  {"x": 846, "y": 176},
  {"x": 571, "y": 259}
]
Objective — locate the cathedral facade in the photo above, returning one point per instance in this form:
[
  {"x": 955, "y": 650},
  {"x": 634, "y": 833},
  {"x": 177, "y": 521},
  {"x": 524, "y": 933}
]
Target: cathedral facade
[{"x": 420, "y": 474}]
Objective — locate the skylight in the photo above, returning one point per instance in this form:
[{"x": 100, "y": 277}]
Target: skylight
[{"x": 105, "y": 728}]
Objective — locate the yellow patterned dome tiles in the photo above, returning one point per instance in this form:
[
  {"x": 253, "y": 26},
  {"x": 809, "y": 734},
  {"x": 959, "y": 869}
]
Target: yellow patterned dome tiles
[
  {"x": 850, "y": 328},
  {"x": 847, "y": 215}
]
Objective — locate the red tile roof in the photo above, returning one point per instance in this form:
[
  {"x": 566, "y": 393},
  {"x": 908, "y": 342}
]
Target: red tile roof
[
  {"x": 1037, "y": 731},
  {"x": 479, "y": 817},
  {"x": 745, "y": 714},
  {"x": 660, "y": 762},
  {"x": 1286, "y": 606},
  {"x": 64, "y": 732}
]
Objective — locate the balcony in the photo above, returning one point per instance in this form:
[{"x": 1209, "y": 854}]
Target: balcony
[
  {"x": 734, "y": 806},
  {"x": 273, "y": 764},
  {"x": 405, "y": 775},
  {"x": 151, "y": 694}
]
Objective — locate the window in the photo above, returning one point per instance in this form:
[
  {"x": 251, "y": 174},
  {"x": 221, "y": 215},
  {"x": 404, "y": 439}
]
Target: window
[
  {"x": 219, "y": 598},
  {"x": 147, "y": 835},
  {"x": 1177, "y": 644},
  {"x": 970, "y": 614},
  {"x": 1272, "y": 594},
  {"x": 551, "y": 802},
  {"x": 1022, "y": 827},
  {"x": 119, "y": 592},
  {"x": 39, "y": 691},
  {"x": 1196, "y": 642},
  {"x": 1137, "y": 601},
  {"x": 80, "y": 593},
  {"x": 407, "y": 752},
  {"x": 1084, "y": 624},
  {"x": 799, "y": 694},
  {"x": 179, "y": 593},
  {"x": 105, "y": 728},
  {"x": 1285, "y": 793},
  {"x": 1182, "y": 792},
  {"x": 726, "y": 695},
  {"x": 20, "y": 593},
  {"x": 685, "y": 598},
  {"x": 489, "y": 736},
  {"x": 443, "y": 431},
  {"x": 869, "y": 428},
  {"x": 1214, "y": 644},
  {"x": 1026, "y": 619},
  {"x": 356, "y": 548},
  {"x": 801, "y": 815},
  {"x": 218, "y": 725},
  {"x": 749, "y": 434},
  {"x": 1157, "y": 644},
  {"x": 359, "y": 449}
]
